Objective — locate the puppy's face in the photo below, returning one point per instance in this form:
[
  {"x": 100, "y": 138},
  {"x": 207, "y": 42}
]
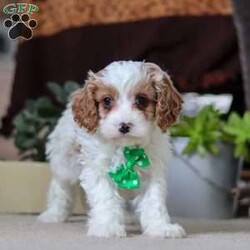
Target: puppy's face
[{"x": 125, "y": 101}]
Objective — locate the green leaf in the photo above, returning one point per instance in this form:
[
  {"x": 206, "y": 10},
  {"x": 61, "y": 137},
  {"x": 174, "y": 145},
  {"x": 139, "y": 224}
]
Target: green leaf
[
  {"x": 246, "y": 119},
  {"x": 58, "y": 92},
  {"x": 213, "y": 149},
  {"x": 23, "y": 125},
  {"x": 203, "y": 130},
  {"x": 237, "y": 131},
  {"x": 25, "y": 141},
  {"x": 48, "y": 111},
  {"x": 70, "y": 87}
]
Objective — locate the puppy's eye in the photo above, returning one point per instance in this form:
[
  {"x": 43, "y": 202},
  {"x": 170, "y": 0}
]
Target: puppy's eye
[
  {"x": 107, "y": 101},
  {"x": 141, "y": 101}
]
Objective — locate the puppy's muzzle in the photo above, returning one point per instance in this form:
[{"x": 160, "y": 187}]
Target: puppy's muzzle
[{"x": 125, "y": 127}]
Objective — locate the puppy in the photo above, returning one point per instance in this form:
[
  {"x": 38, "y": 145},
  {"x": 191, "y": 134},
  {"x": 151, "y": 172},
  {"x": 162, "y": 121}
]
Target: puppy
[{"x": 127, "y": 105}]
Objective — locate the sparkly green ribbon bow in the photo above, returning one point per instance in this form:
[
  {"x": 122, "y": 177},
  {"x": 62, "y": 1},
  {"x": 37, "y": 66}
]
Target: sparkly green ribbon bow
[{"x": 125, "y": 176}]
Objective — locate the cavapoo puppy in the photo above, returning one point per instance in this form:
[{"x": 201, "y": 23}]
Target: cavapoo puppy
[{"x": 113, "y": 140}]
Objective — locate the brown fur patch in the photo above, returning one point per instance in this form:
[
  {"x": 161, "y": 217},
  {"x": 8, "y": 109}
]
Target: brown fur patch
[
  {"x": 169, "y": 101},
  {"x": 169, "y": 104},
  {"x": 146, "y": 90},
  {"x": 84, "y": 107},
  {"x": 103, "y": 92}
]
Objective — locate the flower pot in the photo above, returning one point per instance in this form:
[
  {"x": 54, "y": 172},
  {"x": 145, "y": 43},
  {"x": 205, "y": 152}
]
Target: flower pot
[{"x": 200, "y": 187}]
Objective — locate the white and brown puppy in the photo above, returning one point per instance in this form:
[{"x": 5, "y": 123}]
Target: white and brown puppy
[{"x": 125, "y": 104}]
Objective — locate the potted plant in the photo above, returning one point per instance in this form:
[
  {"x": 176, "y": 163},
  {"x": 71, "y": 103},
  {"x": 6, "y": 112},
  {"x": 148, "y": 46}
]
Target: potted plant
[{"x": 205, "y": 167}]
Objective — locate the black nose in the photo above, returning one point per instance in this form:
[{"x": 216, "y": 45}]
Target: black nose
[{"x": 124, "y": 128}]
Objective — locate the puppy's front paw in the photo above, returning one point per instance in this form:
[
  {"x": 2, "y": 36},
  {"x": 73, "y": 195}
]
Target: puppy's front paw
[
  {"x": 107, "y": 231},
  {"x": 52, "y": 217},
  {"x": 167, "y": 231}
]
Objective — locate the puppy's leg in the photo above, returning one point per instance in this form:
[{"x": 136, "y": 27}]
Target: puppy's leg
[
  {"x": 59, "y": 204},
  {"x": 151, "y": 206},
  {"x": 106, "y": 216}
]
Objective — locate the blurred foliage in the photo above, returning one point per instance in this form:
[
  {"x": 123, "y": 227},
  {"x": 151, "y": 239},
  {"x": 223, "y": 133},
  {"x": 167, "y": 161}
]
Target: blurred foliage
[
  {"x": 237, "y": 132},
  {"x": 203, "y": 131},
  {"x": 207, "y": 128},
  {"x": 38, "y": 118}
]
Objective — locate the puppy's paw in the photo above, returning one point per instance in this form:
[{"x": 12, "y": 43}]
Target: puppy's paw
[
  {"x": 107, "y": 231},
  {"x": 167, "y": 231},
  {"x": 52, "y": 217}
]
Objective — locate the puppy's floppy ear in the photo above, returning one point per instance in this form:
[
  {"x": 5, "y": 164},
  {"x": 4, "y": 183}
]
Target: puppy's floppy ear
[
  {"x": 84, "y": 107},
  {"x": 169, "y": 101}
]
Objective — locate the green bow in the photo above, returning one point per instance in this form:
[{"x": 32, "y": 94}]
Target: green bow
[{"x": 125, "y": 176}]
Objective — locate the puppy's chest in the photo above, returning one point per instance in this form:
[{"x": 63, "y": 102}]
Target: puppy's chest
[
  {"x": 118, "y": 158},
  {"x": 144, "y": 174}
]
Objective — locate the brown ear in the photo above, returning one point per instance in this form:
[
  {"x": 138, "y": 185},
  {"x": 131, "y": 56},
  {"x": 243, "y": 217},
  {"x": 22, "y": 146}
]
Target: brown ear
[
  {"x": 169, "y": 101},
  {"x": 84, "y": 107}
]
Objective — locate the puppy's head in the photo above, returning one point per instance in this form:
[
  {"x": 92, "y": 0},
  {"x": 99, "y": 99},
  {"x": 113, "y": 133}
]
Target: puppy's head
[{"x": 125, "y": 100}]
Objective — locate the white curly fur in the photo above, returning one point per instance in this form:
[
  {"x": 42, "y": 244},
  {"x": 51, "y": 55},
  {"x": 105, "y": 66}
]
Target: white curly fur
[{"x": 78, "y": 156}]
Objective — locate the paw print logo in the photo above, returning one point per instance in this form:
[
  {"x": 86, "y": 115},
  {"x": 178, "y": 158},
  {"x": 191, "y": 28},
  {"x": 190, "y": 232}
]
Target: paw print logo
[{"x": 20, "y": 26}]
